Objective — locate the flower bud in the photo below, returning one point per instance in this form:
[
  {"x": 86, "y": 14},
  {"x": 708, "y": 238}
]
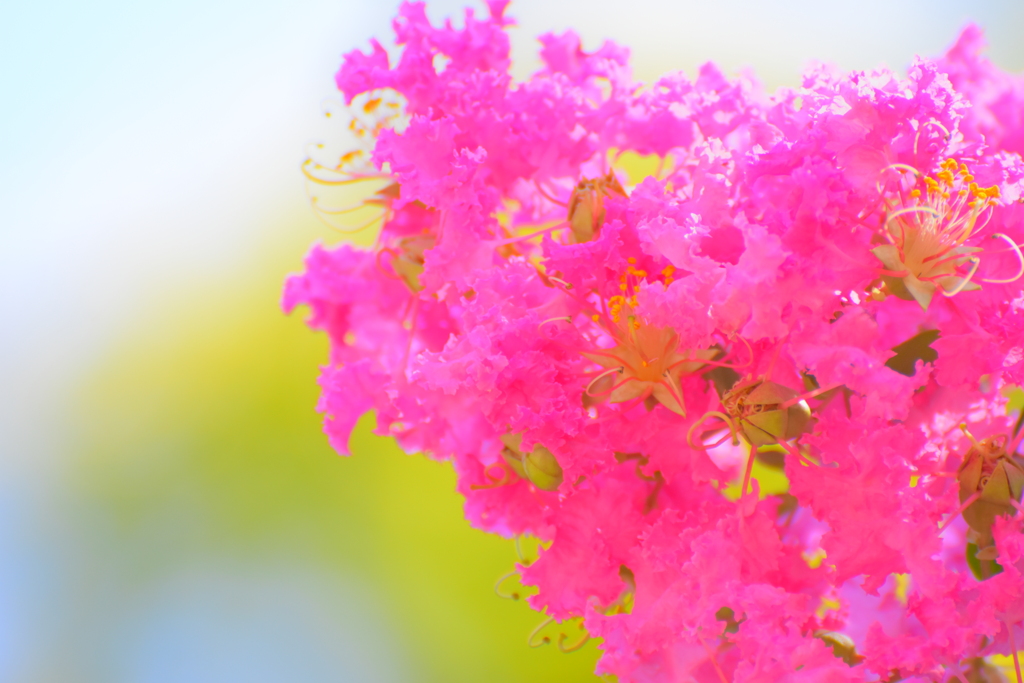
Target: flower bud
[
  {"x": 539, "y": 465},
  {"x": 515, "y": 461},
  {"x": 842, "y": 646},
  {"x": 542, "y": 469},
  {"x": 996, "y": 478},
  {"x": 757, "y": 408},
  {"x": 586, "y": 205},
  {"x": 408, "y": 261}
]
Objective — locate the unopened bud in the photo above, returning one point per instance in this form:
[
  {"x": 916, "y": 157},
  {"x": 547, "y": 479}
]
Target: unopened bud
[
  {"x": 539, "y": 465},
  {"x": 842, "y": 646},
  {"x": 542, "y": 469},
  {"x": 586, "y": 205},
  {"x": 758, "y": 409},
  {"x": 996, "y": 478},
  {"x": 408, "y": 261}
]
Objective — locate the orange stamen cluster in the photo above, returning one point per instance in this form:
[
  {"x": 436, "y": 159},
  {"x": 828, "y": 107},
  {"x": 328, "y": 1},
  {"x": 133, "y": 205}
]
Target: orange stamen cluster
[
  {"x": 380, "y": 110},
  {"x": 946, "y": 216},
  {"x": 346, "y": 191},
  {"x": 928, "y": 232},
  {"x": 956, "y": 179},
  {"x": 628, "y": 288}
]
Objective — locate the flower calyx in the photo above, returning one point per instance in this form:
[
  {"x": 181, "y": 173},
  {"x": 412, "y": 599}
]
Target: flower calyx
[
  {"x": 842, "y": 646},
  {"x": 991, "y": 481},
  {"x": 407, "y": 258},
  {"x": 539, "y": 466},
  {"x": 586, "y": 205},
  {"x": 766, "y": 412},
  {"x": 646, "y": 363}
]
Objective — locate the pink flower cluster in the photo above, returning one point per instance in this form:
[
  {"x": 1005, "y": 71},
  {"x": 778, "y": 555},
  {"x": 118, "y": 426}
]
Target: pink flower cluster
[{"x": 818, "y": 288}]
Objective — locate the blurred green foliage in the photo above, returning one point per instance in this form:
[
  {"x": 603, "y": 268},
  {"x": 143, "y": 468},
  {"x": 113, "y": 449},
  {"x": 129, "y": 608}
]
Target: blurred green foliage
[{"x": 200, "y": 443}]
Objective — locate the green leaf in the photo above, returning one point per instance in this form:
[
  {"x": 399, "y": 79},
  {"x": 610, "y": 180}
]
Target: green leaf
[{"x": 914, "y": 349}]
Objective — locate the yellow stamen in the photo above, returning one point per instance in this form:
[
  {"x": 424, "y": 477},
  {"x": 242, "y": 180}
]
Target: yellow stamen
[{"x": 928, "y": 235}]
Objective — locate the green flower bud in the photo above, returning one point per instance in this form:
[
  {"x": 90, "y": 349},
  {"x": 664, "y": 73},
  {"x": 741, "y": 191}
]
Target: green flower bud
[
  {"x": 586, "y": 205},
  {"x": 408, "y": 259},
  {"x": 842, "y": 646},
  {"x": 759, "y": 413},
  {"x": 995, "y": 479},
  {"x": 515, "y": 461},
  {"x": 542, "y": 469},
  {"x": 980, "y": 671},
  {"x": 539, "y": 465}
]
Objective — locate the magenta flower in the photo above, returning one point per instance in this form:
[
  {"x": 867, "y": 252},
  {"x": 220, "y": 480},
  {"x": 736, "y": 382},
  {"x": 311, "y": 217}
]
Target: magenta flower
[{"x": 825, "y": 281}]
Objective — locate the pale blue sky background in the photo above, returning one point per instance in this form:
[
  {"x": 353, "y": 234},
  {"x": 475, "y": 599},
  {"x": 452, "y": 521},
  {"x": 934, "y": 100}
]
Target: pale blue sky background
[{"x": 151, "y": 146}]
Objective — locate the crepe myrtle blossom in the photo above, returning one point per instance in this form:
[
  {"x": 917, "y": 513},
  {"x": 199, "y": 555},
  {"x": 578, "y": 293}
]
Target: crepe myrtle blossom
[{"x": 744, "y": 365}]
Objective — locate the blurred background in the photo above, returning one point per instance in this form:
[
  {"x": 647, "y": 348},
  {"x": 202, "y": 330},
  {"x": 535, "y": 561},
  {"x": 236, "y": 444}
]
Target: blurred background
[{"x": 169, "y": 508}]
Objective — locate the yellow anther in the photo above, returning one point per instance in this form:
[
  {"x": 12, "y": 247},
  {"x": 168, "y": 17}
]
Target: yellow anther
[
  {"x": 631, "y": 260},
  {"x": 669, "y": 270},
  {"x": 963, "y": 168},
  {"x": 915, "y": 193},
  {"x": 595, "y": 317},
  {"x": 945, "y": 175},
  {"x": 968, "y": 178},
  {"x": 623, "y": 287}
]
